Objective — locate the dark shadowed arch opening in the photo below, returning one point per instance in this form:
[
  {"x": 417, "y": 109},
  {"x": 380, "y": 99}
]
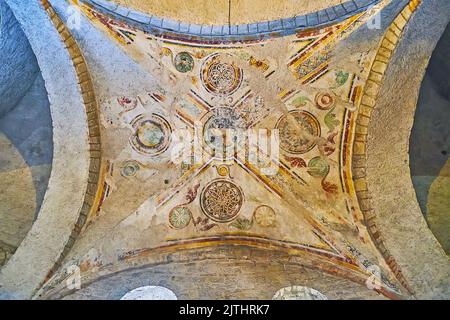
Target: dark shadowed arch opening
[{"x": 430, "y": 143}]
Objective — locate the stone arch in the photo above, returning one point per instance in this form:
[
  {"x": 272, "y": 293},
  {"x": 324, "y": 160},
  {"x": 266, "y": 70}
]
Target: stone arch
[
  {"x": 67, "y": 200},
  {"x": 381, "y": 151},
  {"x": 217, "y": 274}
]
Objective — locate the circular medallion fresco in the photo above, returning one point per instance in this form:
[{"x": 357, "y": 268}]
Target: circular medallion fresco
[
  {"x": 3, "y": 256},
  {"x": 325, "y": 101},
  {"x": 318, "y": 167},
  {"x": 152, "y": 134},
  {"x": 220, "y": 77},
  {"x": 222, "y": 171},
  {"x": 265, "y": 216},
  {"x": 184, "y": 62},
  {"x": 290, "y": 139},
  {"x": 180, "y": 217},
  {"x": 223, "y": 129},
  {"x": 130, "y": 168},
  {"x": 221, "y": 200}
]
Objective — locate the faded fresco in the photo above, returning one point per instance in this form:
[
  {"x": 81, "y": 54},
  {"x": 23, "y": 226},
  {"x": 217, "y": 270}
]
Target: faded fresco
[{"x": 223, "y": 151}]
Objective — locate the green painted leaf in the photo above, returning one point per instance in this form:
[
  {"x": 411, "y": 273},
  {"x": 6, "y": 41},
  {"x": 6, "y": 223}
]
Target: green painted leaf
[
  {"x": 242, "y": 224},
  {"x": 341, "y": 77},
  {"x": 330, "y": 120},
  {"x": 300, "y": 101}
]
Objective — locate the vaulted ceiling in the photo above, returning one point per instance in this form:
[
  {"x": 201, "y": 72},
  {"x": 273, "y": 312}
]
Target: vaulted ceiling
[{"x": 228, "y": 142}]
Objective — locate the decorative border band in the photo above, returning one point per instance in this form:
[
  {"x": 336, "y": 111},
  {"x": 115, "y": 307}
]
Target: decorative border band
[{"x": 177, "y": 30}]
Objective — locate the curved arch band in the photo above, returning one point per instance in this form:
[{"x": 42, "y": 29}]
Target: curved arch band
[
  {"x": 76, "y": 177},
  {"x": 380, "y": 169},
  {"x": 176, "y": 30}
]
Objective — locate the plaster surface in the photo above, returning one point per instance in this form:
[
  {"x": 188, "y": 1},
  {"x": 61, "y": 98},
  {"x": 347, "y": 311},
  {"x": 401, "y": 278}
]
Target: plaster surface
[{"x": 133, "y": 216}]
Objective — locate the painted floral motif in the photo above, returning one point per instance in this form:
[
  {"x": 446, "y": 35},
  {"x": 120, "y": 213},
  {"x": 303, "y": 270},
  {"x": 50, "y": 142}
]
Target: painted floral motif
[
  {"x": 221, "y": 119},
  {"x": 330, "y": 120},
  {"x": 180, "y": 217},
  {"x": 243, "y": 224},
  {"x": 265, "y": 216},
  {"x": 311, "y": 65},
  {"x": 341, "y": 77},
  {"x": 221, "y": 77},
  {"x": 330, "y": 146},
  {"x": 192, "y": 194},
  {"x": 204, "y": 224},
  {"x": 126, "y": 103},
  {"x": 318, "y": 167}
]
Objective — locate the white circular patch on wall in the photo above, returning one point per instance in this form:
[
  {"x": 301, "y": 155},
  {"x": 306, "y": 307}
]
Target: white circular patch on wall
[
  {"x": 150, "y": 293},
  {"x": 299, "y": 293}
]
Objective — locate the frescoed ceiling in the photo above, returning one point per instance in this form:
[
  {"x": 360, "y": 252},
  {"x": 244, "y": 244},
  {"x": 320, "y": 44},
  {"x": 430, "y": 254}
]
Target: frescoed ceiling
[
  {"x": 215, "y": 134},
  {"x": 269, "y": 124}
]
